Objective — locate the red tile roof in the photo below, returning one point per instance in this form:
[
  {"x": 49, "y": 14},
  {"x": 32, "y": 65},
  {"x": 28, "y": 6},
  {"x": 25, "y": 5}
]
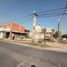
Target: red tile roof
[{"x": 14, "y": 27}]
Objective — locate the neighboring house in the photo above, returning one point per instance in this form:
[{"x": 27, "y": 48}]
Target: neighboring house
[
  {"x": 40, "y": 33},
  {"x": 48, "y": 32},
  {"x": 12, "y": 30},
  {"x": 36, "y": 34}
]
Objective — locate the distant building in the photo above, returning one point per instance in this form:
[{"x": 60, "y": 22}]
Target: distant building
[
  {"x": 48, "y": 33},
  {"x": 40, "y": 34},
  {"x": 36, "y": 34},
  {"x": 12, "y": 30}
]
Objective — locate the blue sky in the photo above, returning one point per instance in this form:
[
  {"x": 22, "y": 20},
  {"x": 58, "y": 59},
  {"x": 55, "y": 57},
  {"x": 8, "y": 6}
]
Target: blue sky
[{"x": 14, "y": 9}]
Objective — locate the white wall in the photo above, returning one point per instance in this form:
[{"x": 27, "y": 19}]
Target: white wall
[{"x": 1, "y": 34}]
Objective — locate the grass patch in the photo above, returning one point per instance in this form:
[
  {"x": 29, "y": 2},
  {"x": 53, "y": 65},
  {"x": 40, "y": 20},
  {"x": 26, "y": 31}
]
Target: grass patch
[
  {"x": 23, "y": 41},
  {"x": 61, "y": 41},
  {"x": 50, "y": 40},
  {"x": 29, "y": 42},
  {"x": 40, "y": 44}
]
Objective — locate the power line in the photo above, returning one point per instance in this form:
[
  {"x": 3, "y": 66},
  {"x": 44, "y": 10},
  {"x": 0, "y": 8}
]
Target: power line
[
  {"x": 64, "y": 9},
  {"x": 47, "y": 11},
  {"x": 53, "y": 13}
]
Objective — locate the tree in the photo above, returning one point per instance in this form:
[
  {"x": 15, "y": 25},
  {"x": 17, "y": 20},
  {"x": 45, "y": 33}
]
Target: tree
[
  {"x": 56, "y": 34},
  {"x": 64, "y": 36}
]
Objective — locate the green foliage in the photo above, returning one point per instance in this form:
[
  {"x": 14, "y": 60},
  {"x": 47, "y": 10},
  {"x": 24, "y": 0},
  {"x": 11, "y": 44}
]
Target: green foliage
[
  {"x": 56, "y": 34},
  {"x": 64, "y": 36}
]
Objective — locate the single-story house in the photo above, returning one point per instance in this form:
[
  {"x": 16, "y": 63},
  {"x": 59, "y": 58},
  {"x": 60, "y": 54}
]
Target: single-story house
[{"x": 12, "y": 30}]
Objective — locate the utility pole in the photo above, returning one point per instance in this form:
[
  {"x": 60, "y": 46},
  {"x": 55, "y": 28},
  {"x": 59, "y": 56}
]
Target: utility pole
[
  {"x": 60, "y": 21},
  {"x": 59, "y": 27},
  {"x": 44, "y": 37},
  {"x": 34, "y": 25},
  {"x": 34, "y": 19}
]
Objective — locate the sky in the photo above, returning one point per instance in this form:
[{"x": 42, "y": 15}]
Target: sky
[{"x": 20, "y": 11}]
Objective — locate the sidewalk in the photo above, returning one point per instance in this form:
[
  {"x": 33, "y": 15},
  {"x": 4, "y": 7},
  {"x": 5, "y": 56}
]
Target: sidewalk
[
  {"x": 57, "y": 45},
  {"x": 54, "y": 46}
]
